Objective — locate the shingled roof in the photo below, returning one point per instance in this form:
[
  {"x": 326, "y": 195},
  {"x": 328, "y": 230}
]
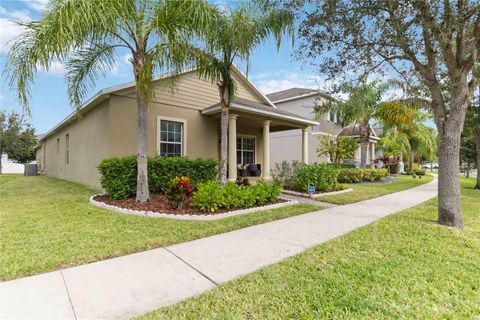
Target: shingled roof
[
  {"x": 289, "y": 93},
  {"x": 238, "y": 103}
]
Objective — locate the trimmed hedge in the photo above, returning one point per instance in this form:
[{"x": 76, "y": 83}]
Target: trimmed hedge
[
  {"x": 119, "y": 175},
  {"x": 210, "y": 196},
  {"x": 342, "y": 165},
  {"x": 322, "y": 176},
  {"x": 361, "y": 175}
]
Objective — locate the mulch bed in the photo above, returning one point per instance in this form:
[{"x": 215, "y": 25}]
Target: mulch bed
[{"x": 158, "y": 203}]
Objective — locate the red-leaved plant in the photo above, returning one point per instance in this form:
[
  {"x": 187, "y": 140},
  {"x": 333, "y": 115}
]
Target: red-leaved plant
[{"x": 178, "y": 190}]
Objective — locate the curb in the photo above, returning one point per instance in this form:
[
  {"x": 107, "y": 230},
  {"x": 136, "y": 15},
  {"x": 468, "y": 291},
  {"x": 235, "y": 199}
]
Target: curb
[{"x": 198, "y": 217}]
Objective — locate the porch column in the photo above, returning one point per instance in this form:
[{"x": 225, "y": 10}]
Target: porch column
[
  {"x": 372, "y": 152},
  {"x": 232, "y": 147},
  {"x": 266, "y": 149},
  {"x": 305, "y": 145}
]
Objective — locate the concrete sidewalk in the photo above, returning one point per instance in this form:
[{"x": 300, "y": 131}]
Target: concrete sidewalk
[{"x": 134, "y": 284}]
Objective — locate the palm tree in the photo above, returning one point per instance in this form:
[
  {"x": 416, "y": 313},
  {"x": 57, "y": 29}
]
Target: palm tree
[
  {"x": 415, "y": 139},
  {"x": 86, "y": 33},
  {"x": 363, "y": 106},
  {"x": 237, "y": 32}
]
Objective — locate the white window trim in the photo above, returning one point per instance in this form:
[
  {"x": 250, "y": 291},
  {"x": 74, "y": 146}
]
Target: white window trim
[
  {"x": 255, "y": 143},
  {"x": 184, "y": 133}
]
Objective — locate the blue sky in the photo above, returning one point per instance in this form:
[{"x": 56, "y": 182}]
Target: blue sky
[{"x": 269, "y": 70}]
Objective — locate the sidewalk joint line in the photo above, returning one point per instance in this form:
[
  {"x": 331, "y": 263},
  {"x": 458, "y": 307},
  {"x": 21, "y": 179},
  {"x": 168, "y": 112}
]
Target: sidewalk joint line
[
  {"x": 68, "y": 294},
  {"x": 188, "y": 264}
]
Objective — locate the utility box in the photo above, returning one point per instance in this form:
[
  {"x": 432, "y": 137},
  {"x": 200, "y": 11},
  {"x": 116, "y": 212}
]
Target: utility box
[{"x": 31, "y": 169}]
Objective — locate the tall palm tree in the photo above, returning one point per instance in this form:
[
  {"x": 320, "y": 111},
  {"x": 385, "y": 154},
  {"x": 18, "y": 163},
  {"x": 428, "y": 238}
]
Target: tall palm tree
[
  {"x": 85, "y": 35},
  {"x": 364, "y": 105},
  {"x": 237, "y": 33}
]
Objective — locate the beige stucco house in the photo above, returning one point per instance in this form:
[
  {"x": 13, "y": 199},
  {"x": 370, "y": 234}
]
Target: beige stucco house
[
  {"x": 181, "y": 123},
  {"x": 288, "y": 144}
]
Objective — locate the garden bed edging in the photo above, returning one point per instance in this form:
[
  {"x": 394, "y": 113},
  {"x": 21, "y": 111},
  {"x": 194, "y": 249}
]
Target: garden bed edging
[
  {"x": 201, "y": 217},
  {"x": 315, "y": 195}
]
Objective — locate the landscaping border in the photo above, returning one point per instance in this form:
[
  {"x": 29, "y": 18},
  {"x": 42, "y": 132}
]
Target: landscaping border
[
  {"x": 200, "y": 217},
  {"x": 315, "y": 195}
]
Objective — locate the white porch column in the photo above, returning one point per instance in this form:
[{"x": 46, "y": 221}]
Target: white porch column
[
  {"x": 372, "y": 152},
  {"x": 232, "y": 147},
  {"x": 305, "y": 145},
  {"x": 266, "y": 149}
]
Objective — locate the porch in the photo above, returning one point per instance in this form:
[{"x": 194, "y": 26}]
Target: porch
[{"x": 249, "y": 128}]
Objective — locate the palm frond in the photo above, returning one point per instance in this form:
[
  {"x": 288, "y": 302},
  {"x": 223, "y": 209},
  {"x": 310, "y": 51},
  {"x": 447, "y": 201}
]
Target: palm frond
[{"x": 85, "y": 67}]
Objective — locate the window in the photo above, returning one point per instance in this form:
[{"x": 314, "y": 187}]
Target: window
[
  {"x": 58, "y": 145},
  {"x": 245, "y": 150},
  {"x": 332, "y": 117},
  {"x": 67, "y": 148},
  {"x": 171, "y": 138}
]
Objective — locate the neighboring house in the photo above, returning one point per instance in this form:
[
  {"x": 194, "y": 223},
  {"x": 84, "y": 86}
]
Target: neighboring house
[
  {"x": 353, "y": 131},
  {"x": 287, "y": 145},
  {"x": 185, "y": 122}
]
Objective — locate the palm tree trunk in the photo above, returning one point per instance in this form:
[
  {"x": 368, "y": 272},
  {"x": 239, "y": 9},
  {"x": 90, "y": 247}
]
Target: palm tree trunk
[
  {"x": 143, "y": 194},
  {"x": 365, "y": 136},
  {"x": 224, "y": 104},
  {"x": 411, "y": 161}
]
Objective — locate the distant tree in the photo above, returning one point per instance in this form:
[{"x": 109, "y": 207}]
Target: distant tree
[
  {"x": 468, "y": 152},
  {"x": 364, "y": 105},
  {"x": 470, "y": 146},
  {"x": 425, "y": 42},
  {"x": 337, "y": 149},
  {"x": 17, "y": 138}
]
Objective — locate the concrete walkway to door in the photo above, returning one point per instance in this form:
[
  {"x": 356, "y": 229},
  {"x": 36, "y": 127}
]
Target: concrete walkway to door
[{"x": 134, "y": 284}]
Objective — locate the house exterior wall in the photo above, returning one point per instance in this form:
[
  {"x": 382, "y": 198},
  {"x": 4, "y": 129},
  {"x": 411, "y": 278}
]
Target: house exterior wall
[
  {"x": 287, "y": 145},
  {"x": 110, "y": 129},
  {"x": 88, "y": 144}
]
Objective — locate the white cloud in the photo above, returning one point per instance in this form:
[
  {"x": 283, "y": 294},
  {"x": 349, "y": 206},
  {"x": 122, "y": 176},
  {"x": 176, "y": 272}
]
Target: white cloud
[
  {"x": 126, "y": 58},
  {"x": 274, "y": 81},
  {"x": 278, "y": 80},
  {"x": 19, "y": 15},
  {"x": 37, "y": 5},
  {"x": 56, "y": 68},
  {"x": 10, "y": 30}
]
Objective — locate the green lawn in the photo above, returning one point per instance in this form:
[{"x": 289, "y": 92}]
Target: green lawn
[
  {"x": 404, "y": 266},
  {"x": 47, "y": 224},
  {"x": 364, "y": 191}
]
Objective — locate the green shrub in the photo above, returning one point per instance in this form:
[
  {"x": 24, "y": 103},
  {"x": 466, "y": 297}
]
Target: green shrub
[
  {"x": 284, "y": 173},
  {"x": 119, "y": 175},
  {"x": 342, "y": 165},
  {"x": 361, "y": 175},
  {"x": 418, "y": 169},
  {"x": 322, "y": 176},
  {"x": 210, "y": 196}
]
